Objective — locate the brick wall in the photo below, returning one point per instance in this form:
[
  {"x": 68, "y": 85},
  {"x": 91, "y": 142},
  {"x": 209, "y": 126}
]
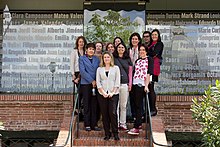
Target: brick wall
[
  {"x": 34, "y": 112},
  {"x": 176, "y": 114},
  {"x": 46, "y": 112}
]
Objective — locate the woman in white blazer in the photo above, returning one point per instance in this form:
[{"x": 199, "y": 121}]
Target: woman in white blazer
[
  {"x": 108, "y": 83},
  {"x": 78, "y": 51}
]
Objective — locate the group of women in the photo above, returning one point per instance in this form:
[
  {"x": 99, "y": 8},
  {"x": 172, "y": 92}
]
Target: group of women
[{"x": 116, "y": 73}]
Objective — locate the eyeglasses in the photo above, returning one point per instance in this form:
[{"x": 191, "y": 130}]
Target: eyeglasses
[{"x": 146, "y": 36}]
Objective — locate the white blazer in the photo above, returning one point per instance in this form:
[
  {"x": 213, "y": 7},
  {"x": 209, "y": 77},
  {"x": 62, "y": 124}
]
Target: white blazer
[
  {"x": 108, "y": 83},
  {"x": 74, "y": 61}
]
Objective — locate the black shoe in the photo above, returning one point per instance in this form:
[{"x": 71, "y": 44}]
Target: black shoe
[
  {"x": 153, "y": 113},
  {"x": 107, "y": 137},
  {"x": 88, "y": 129},
  {"x": 116, "y": 137},
  {"x": 96, "y": 128}
]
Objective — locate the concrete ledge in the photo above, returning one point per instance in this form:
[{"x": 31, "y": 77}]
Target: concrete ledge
[{"x": 158, "y": 131}]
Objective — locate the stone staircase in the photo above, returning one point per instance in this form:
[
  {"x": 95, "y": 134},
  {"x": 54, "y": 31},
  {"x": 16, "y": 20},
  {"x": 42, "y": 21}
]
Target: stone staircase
[{"x": 95, "y": 138}]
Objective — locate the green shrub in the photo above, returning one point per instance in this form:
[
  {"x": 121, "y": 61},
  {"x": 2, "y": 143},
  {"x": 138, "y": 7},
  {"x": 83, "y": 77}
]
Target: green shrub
[{"x": 206, "y": 110}]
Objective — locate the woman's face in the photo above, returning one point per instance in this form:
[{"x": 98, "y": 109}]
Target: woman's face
[
  {"x": 90, "y": 51},
  {"x": 134, "y": 41},
  {"x": 111, "y": 48},
  {"x": 121, "y": 49},
  {"x": 80, "y": 43},
  {"x": 154, "y": 36},
  {"x": 98, "y": 47},
  {"x": 142, "y": 52},
  {"x": 117, "y": 41},
  {"x": 107, "y": 59}
]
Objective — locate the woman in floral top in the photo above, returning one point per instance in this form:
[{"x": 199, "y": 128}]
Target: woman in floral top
[{"x": 142, "y": 71}]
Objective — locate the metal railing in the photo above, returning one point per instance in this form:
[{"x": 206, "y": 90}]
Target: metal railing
[
  {"x": 70, "y": 132},
  {"x": 148, "y": 115}
]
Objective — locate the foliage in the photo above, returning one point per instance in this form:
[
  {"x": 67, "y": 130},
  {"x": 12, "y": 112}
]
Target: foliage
[
  {"x": 206, "y": 110},
  {"x": 107, "y": 28}
]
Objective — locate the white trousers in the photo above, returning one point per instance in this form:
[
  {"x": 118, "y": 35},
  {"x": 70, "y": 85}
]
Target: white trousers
[{"x": 122, "y": 103}]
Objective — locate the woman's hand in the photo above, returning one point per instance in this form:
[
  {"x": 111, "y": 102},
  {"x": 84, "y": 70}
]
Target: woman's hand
[
  {"x": 105, "y": 95},
  {"x": 94, "y": 83},
  {"x": 73, "y": 78},
  {"x": 146, "y": 89},
  {"x": 110, "y": 94},
  {"x": 76, "y": 80},
  {"x": 129, "y": 88}
]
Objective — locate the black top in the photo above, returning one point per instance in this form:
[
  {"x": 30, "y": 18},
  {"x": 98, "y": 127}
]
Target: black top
[
  {"x": 123, "y": 65},
  {"x": 156, "y": 50},
  {"x": 106, "y": 73}
]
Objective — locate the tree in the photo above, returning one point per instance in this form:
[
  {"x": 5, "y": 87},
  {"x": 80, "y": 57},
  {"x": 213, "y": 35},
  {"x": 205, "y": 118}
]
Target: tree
[
  {"x": 207, "y": 111},
  {"x": 106, "y": 29}
]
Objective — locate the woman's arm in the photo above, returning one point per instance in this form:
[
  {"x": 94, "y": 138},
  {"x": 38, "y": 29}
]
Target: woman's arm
[
  {"x": 147, "y": 80},
  {"x": 117, "y": 82},
  {"x": 99, "y": 85},
  {"x": 158, "y": 49},
  {"x": 72, "y": 64}
]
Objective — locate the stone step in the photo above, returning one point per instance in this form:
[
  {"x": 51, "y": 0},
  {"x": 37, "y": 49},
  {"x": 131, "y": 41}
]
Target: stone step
[
  {"x": 124, "y": 134},
  {"x": 129, "y": 125},
  {"x": 97, "y": 141}
]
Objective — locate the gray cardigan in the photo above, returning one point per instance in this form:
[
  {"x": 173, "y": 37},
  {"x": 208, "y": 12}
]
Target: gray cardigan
[{"x": 110, "y": 82}]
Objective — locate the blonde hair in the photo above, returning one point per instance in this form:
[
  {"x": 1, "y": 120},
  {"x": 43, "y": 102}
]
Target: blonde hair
[{"x": 102, "y": 64}]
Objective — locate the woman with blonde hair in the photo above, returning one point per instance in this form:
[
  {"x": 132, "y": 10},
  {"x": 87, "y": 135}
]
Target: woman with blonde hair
[{"x": 108, "y": 83}]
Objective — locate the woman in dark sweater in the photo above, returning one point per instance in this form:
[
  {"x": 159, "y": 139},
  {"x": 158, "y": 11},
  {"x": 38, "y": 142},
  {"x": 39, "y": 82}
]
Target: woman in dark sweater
[
  {"x": 123, "y": 61},
  {"x": 155, "y": 51}
]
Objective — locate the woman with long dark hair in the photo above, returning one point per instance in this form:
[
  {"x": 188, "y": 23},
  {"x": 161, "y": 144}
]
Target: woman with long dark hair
[
  {"x": 78, "y": 51},
  {"x": 155, "y": 51},
  {"x": 135, "y": 41},
  {"x": 123, "y": 61}
]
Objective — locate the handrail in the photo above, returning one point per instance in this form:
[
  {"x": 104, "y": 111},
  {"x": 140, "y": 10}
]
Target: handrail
[
  {"x": 150, "y": 123},
  {"x": 71, "y": 122}
]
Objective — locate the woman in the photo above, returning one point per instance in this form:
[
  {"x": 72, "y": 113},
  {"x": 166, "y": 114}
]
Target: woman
[
  {"x": 123, "y": 61},
  {"x": 155, "y": 51},
  {"x": 142, "y": 71},
  {"x": 88, "y": 65},
  {"x": 108, "y": 83},
  {"x": 98, "y": 49},
  {"x": 110, "y": 47},
  {"x": 78, "y": 51},
  {"x": 135, "y": 40},
  {"x": 116, "y": 41}
]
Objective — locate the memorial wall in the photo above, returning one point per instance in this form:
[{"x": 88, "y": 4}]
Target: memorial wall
[{"x": 36, "y": 47}]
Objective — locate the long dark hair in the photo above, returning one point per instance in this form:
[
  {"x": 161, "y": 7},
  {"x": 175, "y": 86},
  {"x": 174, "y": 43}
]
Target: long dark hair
[
  {"x": 125, "y": 54},
  {"x": 158, "y": 32},
  {"x": 77, "y": 40},
  {"x": 132, "y": 35},
  {"x": 115, "y": 39}
]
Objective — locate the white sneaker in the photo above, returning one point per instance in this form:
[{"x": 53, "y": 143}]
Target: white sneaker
[{"x": 134, "y": 131}]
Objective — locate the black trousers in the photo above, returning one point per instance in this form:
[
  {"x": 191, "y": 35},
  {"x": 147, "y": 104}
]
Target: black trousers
[
  {"x": 132, "y": 105},
  {"x": 108, "y": 107},
  {"x": 152, "y": 97},
  {"x": 90, "y": 104},
  {"x": 138, "y": 103}
]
